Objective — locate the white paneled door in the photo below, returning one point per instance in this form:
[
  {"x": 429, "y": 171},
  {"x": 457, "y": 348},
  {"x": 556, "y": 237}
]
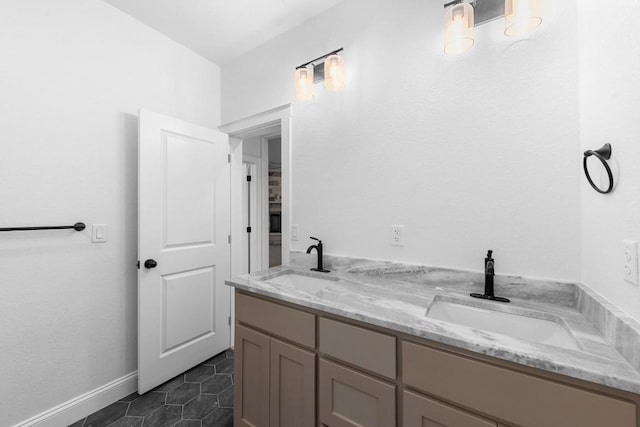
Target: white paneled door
[{"x": 183, "y": 248}]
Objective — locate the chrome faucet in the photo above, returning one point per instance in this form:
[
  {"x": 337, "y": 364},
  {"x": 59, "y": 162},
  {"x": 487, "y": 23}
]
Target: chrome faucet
[
  {"x": 318, "y": 249},
  {"x": 489, "y": 273}
]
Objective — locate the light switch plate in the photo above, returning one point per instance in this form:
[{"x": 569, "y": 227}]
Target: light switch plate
[
  {"x": 99, "y": 233},
  {"x": 294, "y": 231}
]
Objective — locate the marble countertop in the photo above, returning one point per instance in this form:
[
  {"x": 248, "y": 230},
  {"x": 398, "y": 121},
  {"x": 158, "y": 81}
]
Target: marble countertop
[{"x": 397, "y": 296}]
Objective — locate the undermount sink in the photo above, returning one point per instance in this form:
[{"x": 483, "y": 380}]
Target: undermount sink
[
  {"x": 302, "y": 282},
  {"x": 550, "y": 330}
]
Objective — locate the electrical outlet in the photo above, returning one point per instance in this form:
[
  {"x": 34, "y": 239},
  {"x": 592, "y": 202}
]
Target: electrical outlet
[
  {"x": 396, "y": 235},
  {"x": 294, "y": 231},
  {"x": 631, "y": 262}
]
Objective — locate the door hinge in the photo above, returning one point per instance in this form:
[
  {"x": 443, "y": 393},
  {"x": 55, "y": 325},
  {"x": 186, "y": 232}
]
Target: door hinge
[
  {"x": 248, "y": 178},
  {"x": 229, "y": 238},
  {"x": 248, "y": 229},
  {"x": 229, "y": 320},
  {"x": 228, "y": 158}
]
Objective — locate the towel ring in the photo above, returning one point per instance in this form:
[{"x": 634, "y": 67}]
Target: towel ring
[{"x": 603, "y": 154}]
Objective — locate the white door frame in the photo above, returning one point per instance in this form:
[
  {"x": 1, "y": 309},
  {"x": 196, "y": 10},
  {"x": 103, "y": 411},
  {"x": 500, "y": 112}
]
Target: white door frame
[
  {"x": 258, "y": 125},
  {"x": 264, "y": 179},
  {"x": 259, "y": 212}
]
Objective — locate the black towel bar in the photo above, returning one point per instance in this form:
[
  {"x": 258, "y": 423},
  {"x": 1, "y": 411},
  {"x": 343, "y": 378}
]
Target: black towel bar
[{"x": 78, "y": 226}]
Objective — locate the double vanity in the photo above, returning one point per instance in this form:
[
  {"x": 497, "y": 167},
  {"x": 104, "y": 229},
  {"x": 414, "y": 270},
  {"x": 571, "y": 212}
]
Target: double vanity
[{"x": 385, "y": 344}]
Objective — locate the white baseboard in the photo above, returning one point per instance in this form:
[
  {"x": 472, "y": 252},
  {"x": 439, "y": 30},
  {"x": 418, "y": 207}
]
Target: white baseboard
[{"x": 86, "y": 404}]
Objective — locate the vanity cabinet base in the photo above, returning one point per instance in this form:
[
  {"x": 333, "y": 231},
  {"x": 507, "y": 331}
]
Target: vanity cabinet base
[{"x": 291, "y": 359}]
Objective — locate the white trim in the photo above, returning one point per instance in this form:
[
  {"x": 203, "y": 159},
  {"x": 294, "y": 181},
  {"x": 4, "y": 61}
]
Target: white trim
[
  {"x": 84, "y": 405},
  {"x": 264, "y": 149},
  {"x": 258, "y": 208},
  {"x": 286, "y": 129},
  {"x": 258, "y": 125},
  {"x": 235, "y": 149},
  {"x": 260, "y": 120}
]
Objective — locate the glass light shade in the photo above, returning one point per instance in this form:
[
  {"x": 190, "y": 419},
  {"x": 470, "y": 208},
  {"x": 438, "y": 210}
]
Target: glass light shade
[
  {"x": 458, "y": 28},
  {"x": 334, "y": 73},
  {"x": 522, "y": 16},
  {"x": 304, "y": 83}
]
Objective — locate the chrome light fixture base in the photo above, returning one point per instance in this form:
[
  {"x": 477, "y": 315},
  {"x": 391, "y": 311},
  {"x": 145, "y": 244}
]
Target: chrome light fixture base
[{"x": 485, "y": 10}]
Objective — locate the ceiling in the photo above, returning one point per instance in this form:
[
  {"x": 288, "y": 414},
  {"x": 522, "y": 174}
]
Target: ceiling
[{"x": 222, "y": 30}]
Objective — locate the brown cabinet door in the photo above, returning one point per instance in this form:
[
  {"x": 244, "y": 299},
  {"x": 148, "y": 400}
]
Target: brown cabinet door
[
  {"x": 351, "y": 399},
  {"x": 293, "y": 386},
  {"x": 251, "y": 394},
  {"x": 421, "y": 411}
]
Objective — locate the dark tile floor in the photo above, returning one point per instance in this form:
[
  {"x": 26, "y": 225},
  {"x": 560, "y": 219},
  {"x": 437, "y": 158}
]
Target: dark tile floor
[{"x": 201, "y": 397}]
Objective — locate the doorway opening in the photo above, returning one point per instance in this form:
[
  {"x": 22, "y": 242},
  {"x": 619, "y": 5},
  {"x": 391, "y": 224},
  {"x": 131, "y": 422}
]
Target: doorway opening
[
  {"x": 261, "y": 203},
  {"x": 268, "y": 124}
]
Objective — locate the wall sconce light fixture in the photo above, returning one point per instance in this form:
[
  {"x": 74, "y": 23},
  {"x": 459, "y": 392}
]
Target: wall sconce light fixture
[
  {"x": 334, "y": 73},
  {"x": 521, "y": 17},
  {"x": 328, "y": 68},
  {"x": 458, "y": 28},
  {"x": 304, "y": 83}
]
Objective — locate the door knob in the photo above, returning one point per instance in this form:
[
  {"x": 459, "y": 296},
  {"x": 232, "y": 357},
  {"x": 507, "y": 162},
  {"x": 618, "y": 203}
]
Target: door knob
[{"x": 150, "y": 263}]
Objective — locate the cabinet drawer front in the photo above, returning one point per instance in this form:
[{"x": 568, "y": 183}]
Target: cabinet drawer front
[
  {"x": 350, "y": 399},
  {"x": 288, "y": 323},
  {"x": 517, "y": 398},
  {"x": 420, "y": 411},
  {"x": 361, "y": 347}
]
